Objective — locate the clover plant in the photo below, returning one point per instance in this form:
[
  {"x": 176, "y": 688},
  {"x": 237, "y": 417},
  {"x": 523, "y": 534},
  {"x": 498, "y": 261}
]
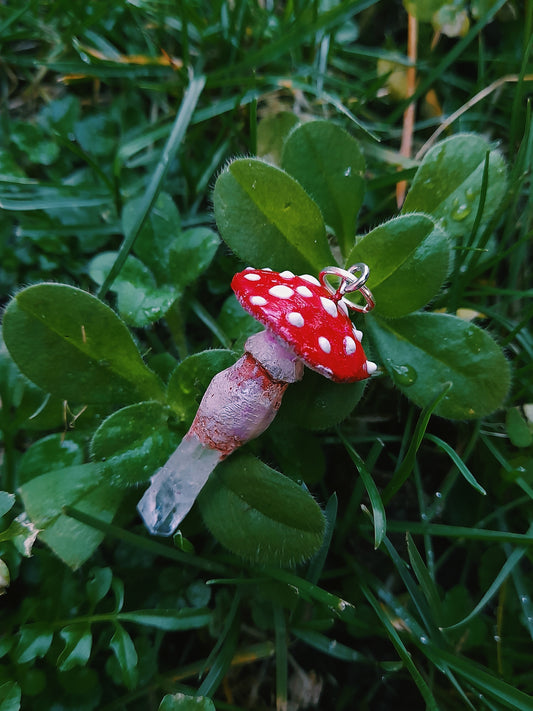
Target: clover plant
[{"x": 293, "y": 207}]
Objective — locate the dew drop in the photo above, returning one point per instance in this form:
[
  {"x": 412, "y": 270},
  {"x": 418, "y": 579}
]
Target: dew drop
[
  {"x": 348, "y": 171},
  {"x": 460, "y": 211},
  {"x": 423, "y": 639},
  {"x": 404, "y": 374}
]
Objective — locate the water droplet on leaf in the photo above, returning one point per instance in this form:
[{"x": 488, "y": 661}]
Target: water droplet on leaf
[
  {"x": 460, "y": 211},
  {"x": 404, "y": 375}
]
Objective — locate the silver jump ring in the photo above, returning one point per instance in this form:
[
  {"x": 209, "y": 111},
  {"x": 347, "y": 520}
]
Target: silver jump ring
[{"x": 349, "y": 283}]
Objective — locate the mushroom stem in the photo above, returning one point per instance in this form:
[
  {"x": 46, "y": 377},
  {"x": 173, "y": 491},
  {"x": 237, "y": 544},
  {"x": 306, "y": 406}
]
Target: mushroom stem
[
  {"x": 238, "y": 405},
  {"x": 241, "y": 401}
]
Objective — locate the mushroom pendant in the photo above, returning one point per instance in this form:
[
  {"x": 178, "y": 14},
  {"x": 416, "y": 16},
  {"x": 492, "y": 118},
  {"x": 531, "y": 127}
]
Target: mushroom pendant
[{"x": 306, "y": 323}]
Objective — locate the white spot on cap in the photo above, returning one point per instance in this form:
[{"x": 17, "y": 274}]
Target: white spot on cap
[
  {"x": 324, "y": 344},
  {"x": 295, "y": 319},
  {"x": 304, "y": 291},
  {"x": 252, "y": 277},
  {"x": 281, "y": 291},
  {"x": 266, "y": 269},
  {"x": 349, "y": 345},
  {"x": 257, "y": 300},
  {"x": 358, "y": 334},
  {"x": 286, "y": 274},
  {"x": 310, "y": 278},
  {"x": 329, "y": 306},
  {"x": 371, "y": 367}
]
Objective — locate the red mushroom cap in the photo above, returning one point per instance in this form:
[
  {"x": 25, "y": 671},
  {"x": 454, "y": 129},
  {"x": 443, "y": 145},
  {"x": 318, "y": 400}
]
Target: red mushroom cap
[{"x": 302, "y": 313}]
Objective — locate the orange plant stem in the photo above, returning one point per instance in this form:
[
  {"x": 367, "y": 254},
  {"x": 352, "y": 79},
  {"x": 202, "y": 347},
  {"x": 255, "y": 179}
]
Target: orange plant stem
[{"x": 406, "y": 146}]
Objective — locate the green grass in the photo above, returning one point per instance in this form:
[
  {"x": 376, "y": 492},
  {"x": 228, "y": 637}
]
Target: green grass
[{"x": 105, "y": 105}]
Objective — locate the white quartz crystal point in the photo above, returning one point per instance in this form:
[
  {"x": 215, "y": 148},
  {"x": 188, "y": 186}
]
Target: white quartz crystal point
[{"x": 175, "y": 487}]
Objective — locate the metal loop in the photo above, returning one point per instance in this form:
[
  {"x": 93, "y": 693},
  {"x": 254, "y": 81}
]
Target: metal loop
[{"x": 349, "y": 283}]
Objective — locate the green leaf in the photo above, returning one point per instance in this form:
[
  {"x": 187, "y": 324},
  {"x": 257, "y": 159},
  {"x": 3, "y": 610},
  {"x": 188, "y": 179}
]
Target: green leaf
[
  {"x": 33, "y": 642},
  {"x": 260, "y": 514},
  {"x": 517, "y": 428},
  {"x": 423, "y": 352},
  {"x": 174, "y": 257},
  {"x": 30, "y": 139},
  {"x": 271, "y": 132},
  {"x": 10, "y": 696},
  {"x": 316, "y": 403},
  {"x": 170, "y": 620},
  {"x": 162, "y": 226},
  {"x": 237, "y": 323},
  {"x": 97, "y": 134},
  {"x": 140, "y": 301},
  {"x": 190, "y": 254},
  {"x": 54, "y": 451},
  {"x": 126, "y": 655},
  {"x": 45, "y": 496},
  {"x": 5, "y": 581},
  {"x": 330, "y": 165},
  {"x": 99, "y": 584},
  {"x": 298, "y": 455},
  {"x": 74, "y": 346},
  {"x": 7, "y": 501},
  {"x": 77, "y": 650},
  {"x": 183, "y": 702},
  {"x": 447, "y": 185},
  {"x": 267, "y": 218},
  {"x": 409, "y": 259},
  {"x": 190, "y": 379},
  {"x": 133, "y": 442}
]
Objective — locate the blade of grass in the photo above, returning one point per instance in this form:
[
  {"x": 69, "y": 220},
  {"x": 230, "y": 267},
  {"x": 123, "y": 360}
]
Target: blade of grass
[
  {"x": 456, "y": 459},
  {"x": 280, "y": 637},
  {"x": 378, "y": 510},
  {"x": 181, "y": 123},
  {"x": 405, "y": 467},
  {"x": 220, "y": 658},
  {"x": 294, "y": 37},
  {"x": 206, "y": 318},
  {"x": 308, "y": 591},
  {"x": 425, "y": 580},
  {"x": 474, "y": 534},
  {"x": 420, "y": 602},
  {"x": 483, "y": 680},
  {"x": 330, "y": 647},
  {"x": 507, "y": 568},
  {"x": 319, "y": 559},
  {"x": 403, "y": 653},
  {"x": 146, "y": 544}
]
